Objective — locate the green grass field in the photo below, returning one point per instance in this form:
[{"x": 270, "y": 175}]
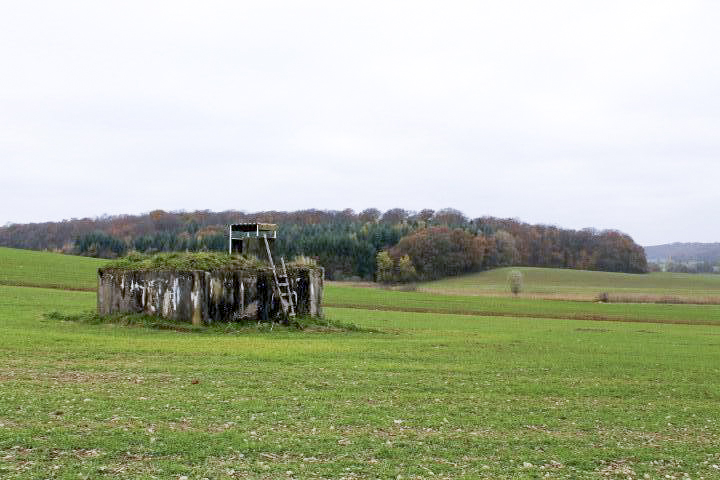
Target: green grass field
[
  {"x": 580, "y": 284},
  {"x": 420, "y": 302},
  {"x": 50, "y": 270},
  {"x": 429, "y": 395}
]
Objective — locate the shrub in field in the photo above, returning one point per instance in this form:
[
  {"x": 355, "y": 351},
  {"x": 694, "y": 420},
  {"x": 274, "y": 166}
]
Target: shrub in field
[
  {"x": 602, "y": 297},
  {"x": 515, "y": 280}
]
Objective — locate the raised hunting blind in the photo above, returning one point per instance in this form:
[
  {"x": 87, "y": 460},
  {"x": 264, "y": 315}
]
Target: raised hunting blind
[
  {"x": 205, "y": 288},
  {"x": 242, "y": 235}
]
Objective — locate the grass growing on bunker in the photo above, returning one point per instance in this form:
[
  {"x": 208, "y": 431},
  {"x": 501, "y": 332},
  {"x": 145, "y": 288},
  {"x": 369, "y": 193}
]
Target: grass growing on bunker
[
  {"x": 176, "y": 261},
  {"x": 186, "y": 261}
]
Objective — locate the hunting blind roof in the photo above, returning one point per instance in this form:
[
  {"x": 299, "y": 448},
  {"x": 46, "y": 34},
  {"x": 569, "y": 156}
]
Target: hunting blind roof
[{"x": 253, "y": 230}]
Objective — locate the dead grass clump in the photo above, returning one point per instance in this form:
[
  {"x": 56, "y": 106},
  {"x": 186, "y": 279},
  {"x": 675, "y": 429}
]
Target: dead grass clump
[
  {"x": 663, "y": 299},
  {"x": 303, "y": 261}
]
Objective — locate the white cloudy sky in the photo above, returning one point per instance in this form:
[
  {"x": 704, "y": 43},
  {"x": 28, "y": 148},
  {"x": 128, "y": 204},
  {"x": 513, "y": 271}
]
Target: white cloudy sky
[{"x": 603, "y": 114}]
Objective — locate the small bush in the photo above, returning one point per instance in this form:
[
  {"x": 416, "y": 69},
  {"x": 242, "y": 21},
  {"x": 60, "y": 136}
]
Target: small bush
[
  {"x": 407, "y": 287},
  {"x": 515, "y": 280},
  {"x": 603, "y": 297}
]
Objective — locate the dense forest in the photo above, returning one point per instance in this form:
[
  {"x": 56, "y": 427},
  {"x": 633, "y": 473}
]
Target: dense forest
[{"x": 404, "y": 245}]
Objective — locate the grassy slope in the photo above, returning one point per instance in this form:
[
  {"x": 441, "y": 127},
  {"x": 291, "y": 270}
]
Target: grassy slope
[
  {"x": 585, "y": 284},
  {"x": 375, "y": 298},
  {"x": 458, "y": 396},
  {"x": 45, "y": 269}
]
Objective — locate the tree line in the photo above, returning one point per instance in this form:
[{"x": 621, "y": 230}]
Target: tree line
[{"x": 414, "y": 245}]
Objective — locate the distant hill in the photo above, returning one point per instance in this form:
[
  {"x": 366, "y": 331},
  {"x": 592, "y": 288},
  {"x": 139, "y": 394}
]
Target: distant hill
[{"x": 684, "y": 252}]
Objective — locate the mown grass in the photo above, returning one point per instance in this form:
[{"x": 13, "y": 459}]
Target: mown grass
[
  {"x": 46, "y": 269},
  {"x": 581, "y": 284},
  {"x": 433, "y": 396},
  {"x": 416, "y": 391},
  {"x": 307, "y": 323},
  {"x": 381, "y": 299}
]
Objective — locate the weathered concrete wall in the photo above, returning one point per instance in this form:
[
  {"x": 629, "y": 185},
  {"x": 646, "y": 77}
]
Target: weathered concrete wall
[{"x": 204, "y": 297}]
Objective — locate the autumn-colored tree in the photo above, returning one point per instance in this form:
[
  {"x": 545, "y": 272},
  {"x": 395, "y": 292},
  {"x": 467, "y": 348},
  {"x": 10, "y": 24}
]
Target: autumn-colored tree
[
  {"x": 405, "y": 270},
  {"x": 394, "y": 216},
  {"x": 369, "y": 215},
  {"x": 384, "y": 272},
  {"x": 505, "y": 250},
  {"x": 425, "y": 214},
  {"x": 616, "y": 252},
  {"x": 441, "y": 251},
  {"x": 449, "y": 217}
]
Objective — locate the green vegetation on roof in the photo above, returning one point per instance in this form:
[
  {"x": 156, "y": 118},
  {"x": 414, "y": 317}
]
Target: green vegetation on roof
[
  {"x": 185, "y": 261},
  {"x": 196, "y": 261}
]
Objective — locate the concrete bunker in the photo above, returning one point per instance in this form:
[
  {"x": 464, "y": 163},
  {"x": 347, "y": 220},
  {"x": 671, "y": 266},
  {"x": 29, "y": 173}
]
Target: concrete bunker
[{"x": 207, "y": 288}]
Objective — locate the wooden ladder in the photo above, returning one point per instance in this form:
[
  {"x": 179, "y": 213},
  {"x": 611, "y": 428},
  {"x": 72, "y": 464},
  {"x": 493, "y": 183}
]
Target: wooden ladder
[{"x": 287, "y": 296}]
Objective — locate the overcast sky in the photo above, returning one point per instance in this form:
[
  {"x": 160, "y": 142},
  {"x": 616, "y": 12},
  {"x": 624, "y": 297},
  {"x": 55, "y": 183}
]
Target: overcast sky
[{"x": 577, "y": 114}]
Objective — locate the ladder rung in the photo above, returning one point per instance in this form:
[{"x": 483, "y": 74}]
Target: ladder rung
[{"x": 283, "y": 284}]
